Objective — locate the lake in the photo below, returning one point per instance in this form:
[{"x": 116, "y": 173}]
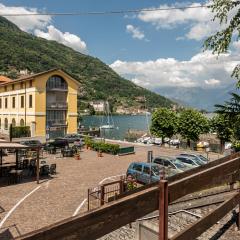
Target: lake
[{"x": 122, "y": 124}]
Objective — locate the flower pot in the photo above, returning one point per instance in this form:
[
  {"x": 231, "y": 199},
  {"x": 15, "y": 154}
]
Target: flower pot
[
  {"x": 99, "y": 154},
  {"x": 77, "y": 156}
]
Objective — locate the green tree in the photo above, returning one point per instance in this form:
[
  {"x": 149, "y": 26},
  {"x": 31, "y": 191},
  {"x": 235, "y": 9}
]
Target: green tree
[
  {"x": 222, "y": 126},
  {"x": 164, "y": 123},
  {"x": 220, "y": 42},
  {"x": 191, "y": 124},
  {"x": 231, "y": 111}
]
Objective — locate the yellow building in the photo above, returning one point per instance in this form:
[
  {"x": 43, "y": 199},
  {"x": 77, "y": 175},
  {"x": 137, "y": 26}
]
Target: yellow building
[{"x": 46, "y": 102}]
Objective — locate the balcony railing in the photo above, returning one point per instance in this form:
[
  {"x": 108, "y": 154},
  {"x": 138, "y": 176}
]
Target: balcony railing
[
  {"x": 57, "y": 105},
  {"x": 52, "y": 123}
]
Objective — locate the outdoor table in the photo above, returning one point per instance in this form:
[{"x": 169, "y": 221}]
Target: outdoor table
[
  {"x": 15, "y": 176},
  {"x": 67, "y": 152}
]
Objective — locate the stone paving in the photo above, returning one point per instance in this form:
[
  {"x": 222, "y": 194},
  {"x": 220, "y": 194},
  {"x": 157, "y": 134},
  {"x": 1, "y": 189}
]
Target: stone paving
[{"x": 59, "y": 197}]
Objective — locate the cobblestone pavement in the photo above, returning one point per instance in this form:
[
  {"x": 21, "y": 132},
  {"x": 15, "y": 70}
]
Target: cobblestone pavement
[{"x": 59, "y": 197}]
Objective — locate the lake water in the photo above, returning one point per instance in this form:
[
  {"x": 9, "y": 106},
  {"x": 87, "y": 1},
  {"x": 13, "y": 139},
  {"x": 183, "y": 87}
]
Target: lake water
[{"x": 122, "y": 124}]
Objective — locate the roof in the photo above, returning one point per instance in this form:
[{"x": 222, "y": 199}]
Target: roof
[
  {"x": 8, "y": 145},
  {"x": 4, "y": 79},
  {"x": 32, "y": 76}
]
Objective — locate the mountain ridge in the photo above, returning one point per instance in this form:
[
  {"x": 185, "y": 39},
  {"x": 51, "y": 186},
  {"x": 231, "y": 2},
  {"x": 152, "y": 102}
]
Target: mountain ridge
[{"x": 21, "y": 50}]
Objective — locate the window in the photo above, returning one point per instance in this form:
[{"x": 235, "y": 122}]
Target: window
[
  {"x": 146, "y": 170},
  {"x": 22, "y": 101},
  {"x": 13, "y": 102},
  {"x": 21, "y": 122},
  {"x": 21, "y": 85},
  {"x": 0, "y": 123},
  {"x": 6, "y": 123},
  {"x": 56, "y": 82},
  {"x": 13, "y": 122},
  {"x": 5, "y": 88},
  {"x": 0, "y": 103},
  {"x": 30, "y": 83},
  {"x": 6, "y": 103},
  {"x": 158, "y": 161},
  {"x": 30, "y": 101},
  {"x": 13, "y": 86},
  {"x": 137, "y": 167}
]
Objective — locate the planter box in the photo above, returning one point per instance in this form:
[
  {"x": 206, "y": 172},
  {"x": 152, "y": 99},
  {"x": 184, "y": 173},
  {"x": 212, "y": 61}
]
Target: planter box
[{"x": 126, "y": 150}]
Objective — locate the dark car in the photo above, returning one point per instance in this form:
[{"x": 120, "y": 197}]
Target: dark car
[
  {"x": 31, "y": 143},
  {"x": 58, "y": 143}
]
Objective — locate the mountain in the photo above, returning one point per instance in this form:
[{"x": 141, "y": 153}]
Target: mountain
[
  {"x": 197, "y": 97},
  {"x": 20, "y": 50}
]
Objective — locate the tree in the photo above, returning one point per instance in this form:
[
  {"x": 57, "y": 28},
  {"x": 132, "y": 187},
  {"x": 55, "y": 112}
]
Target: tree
[
  {"x": 191, "y": 124},
  {"x": 231, "y": 112},
  {"x": 222, "y": 126},
  {"x": 220, "y": 42},
  {"x": 164, "y": 123}
]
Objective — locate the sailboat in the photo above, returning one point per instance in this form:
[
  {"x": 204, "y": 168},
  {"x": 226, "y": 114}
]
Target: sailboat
[{"x": 108, "y": 125}]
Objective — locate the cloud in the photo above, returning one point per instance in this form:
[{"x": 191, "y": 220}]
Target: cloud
[
  {"x": 41, "y": 27},
  {"x": 26, "y": 23},
  {"x": 66, "y": 38},
  {"x": 198, "y": 20},
  {"x": 212, "y": 82},
  {"x": 135, "y": 32},
  {"x": 204, "y": 69}
]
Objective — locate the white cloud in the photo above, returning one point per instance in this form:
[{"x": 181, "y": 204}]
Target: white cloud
[
  {"x": 198, "y": 20},
  {"x": 212, "y": 82},
  {"x": 66, "y": 38},
  {"x": 135, "y": 32},
  {"x": 26, "y": 23},
  {"x": 41, "y": 27},
  {"x": 203, "y": 69}
]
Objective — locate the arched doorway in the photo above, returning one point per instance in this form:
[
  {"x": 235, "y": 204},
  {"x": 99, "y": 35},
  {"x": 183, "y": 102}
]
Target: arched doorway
[
  {"x": 13, "y": 122},
  {"x": 6, "y": 124},
  {"x": 22, "y": 123},
  {"x": 56, "y": 101}
]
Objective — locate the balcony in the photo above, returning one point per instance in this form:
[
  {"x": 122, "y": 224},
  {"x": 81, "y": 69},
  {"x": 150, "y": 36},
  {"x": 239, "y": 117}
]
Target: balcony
[
  {"x": 56, "y": 123},
  {"x": 57, "y": 106}
]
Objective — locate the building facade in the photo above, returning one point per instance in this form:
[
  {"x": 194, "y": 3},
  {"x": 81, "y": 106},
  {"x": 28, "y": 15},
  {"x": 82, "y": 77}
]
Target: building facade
[{"x": 46, "y": 102}]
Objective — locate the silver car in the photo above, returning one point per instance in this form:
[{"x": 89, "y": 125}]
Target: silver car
[{"x": 199, "y": 157}]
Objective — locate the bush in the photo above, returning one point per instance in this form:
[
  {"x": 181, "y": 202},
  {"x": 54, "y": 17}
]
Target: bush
[
  {"x": 21, "y": 131},
  {"x": 102, "y": 146}
]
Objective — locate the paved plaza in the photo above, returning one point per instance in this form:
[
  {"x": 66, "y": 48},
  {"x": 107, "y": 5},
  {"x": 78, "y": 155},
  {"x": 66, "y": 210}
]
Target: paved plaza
[{"x": 28, "y": 206}]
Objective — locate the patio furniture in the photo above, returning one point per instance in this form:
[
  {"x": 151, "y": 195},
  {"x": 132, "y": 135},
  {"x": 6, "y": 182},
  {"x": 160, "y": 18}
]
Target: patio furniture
[
  {"x": 67, "y": 152},
  {"x": 15, "y": 176},
  {"x": 44, "y": 170},
  {"x": 53, "y": 169},
  {"x": 25, "y": 163}
]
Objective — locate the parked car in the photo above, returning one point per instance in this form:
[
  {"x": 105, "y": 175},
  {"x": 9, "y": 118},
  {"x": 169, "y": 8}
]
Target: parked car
[
  {"x": 172, "y": 165},
  {"x": 31, "y": 143},
  {"x": 141, "y": 172},
  {"x": 199, "y": 157},
  {"x": 58, "y": 143},
  {"x": 190, "y": 162}
]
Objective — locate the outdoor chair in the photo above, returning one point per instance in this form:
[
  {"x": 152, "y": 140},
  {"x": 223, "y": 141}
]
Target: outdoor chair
[
  {"x": 25, "y": 164},
  {"x": 45, "y": 170},
  {"x": 53, "y": 168}
]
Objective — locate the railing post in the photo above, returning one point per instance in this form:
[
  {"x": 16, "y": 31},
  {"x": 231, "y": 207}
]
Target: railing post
[
  {"x": 88, "y": 199},
  {"x": 163, "y": 210},
  {"x": 102, "y": 195}
]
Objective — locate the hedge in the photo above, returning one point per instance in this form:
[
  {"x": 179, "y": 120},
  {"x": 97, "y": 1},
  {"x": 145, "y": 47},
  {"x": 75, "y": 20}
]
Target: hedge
[
  {"x": 102, "y": 146},
  {"x": 21, "y": 131}
]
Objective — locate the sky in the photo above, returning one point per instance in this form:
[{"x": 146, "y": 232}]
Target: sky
[{"x": 152, "y": 49}]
